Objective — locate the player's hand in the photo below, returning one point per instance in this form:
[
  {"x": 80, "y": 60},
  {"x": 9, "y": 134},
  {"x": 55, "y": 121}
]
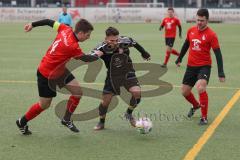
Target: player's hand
[
  {"x": 222, "y": 79},
  {"x": 178, "y": 64},
  {"x": 28, "y": 27},
  {"x": 146, "y": 56},
  {"x": 98, "y": 53}
]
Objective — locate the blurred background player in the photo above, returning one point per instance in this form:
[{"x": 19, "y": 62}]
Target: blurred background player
[
  {"x": 170, "y": 23},
  {"x": 52, "y": 71},
  {"x": 200, "y": 39},
  {"x": 120, "y": 72},
  {"x": 65, "y": 17}
]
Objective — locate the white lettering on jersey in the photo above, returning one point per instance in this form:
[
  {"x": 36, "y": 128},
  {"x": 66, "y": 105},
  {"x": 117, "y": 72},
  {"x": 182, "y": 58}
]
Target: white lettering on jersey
[
  {"x": 65, "y": 38},
  {"x": 196, "y": 43},
  {"x": 169, "y": 25},
  {"x": 203, "y": 37},
  {"x": 54, "y": 45}
]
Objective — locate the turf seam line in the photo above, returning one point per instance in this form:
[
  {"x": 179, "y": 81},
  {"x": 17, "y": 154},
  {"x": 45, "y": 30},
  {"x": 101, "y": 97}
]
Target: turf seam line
[{"x": 101, "y": 84}]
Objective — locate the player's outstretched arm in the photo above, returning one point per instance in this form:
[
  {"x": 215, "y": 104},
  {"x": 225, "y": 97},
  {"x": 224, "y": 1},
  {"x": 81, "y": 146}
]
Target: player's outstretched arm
[
  {"x": 28, "y": 27},
  {"x": 161, "y": 27},
  {"x": 180, "y": 31},
  {"x": 219, "y": 59},
  {"x": 183, "y": 52},
  {"x": 144, "y": 53},
  {"x": 91, "y": 57}
]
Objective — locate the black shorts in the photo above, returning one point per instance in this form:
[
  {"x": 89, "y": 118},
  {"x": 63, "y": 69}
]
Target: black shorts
[
  {"x": 113, "y": 84},
  {"x": 47, "y": 87},
  {"x": 169, "y": 42},
  {"x": 193, "y": 74}
]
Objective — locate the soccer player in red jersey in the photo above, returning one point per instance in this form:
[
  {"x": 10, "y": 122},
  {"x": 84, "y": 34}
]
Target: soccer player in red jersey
[
  {"x": 170, "y": 23},
  {"x": 200, "y": 39},
  {"x": 52, "y": 71}
]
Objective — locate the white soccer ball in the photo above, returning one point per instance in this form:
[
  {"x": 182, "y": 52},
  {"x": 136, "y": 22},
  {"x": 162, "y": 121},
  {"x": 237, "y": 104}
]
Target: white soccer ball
[{"x": 144, "y": 125}]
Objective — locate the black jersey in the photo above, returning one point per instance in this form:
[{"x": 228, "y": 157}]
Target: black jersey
[{"x": 117, "y": 60}]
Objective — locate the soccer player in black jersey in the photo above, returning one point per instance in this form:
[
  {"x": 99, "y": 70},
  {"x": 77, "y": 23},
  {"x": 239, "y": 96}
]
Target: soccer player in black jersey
[{"x": 120, "y": 72}]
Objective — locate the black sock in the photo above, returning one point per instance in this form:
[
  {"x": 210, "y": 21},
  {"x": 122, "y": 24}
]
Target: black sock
[
  {"x": 23, "y": 121},
  {"x": 129, "y": 111},
  {"x": 102, "y": 120},
  {"x": 67, "y": 115}
]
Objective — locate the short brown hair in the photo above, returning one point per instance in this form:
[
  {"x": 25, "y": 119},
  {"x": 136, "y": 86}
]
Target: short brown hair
[
  {"x": 203, "y": 12},
  {"x": 83, "y": 26},
  {"x": 111, "y": 31},
  {"x": 171, "y": 9}
]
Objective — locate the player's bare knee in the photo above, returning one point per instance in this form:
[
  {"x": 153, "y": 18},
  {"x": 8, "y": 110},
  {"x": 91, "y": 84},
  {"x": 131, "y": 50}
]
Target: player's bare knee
[
  {"x": 169, "y": 49},
  {"x": 201, "y": 88},
  {"x": 45, "y": 102},
  {"x": 136, "y": 94},
  {"x": 105, "y": 103},
  {"x": 135, "y": 91}
]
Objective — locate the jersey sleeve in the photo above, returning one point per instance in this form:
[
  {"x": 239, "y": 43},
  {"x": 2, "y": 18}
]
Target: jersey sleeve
[
  {"x": 126, "y": 41},
  {"x": 133, "y": 42},
  {"x": 100, "y": 46},
  {"x": 214, "y": 42},
  {"x": 178, "y": 22},
  {"x": 163, "y": 22},
  {"x": 187, "y": 37}
]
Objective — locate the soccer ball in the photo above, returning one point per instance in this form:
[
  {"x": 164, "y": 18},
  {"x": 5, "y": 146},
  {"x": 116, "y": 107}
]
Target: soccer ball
[{"x": 144, "y": 125}]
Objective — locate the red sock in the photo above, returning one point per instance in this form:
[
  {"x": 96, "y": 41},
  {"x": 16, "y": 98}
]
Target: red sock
[
  {"x": 191, "y": 99},
  {"x": 167, "y": 56},
  {"x": 34, "y": 111},
  {"x": 203, "y": 98},
  {"x": 175, "y": 52},
  {"x": 72, "y": 103}
]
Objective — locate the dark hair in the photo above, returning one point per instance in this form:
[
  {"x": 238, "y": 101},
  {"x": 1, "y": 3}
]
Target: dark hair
[
  {"x": 111, "y": 31},
  {"x": 171, "y": 9},
  {"x": 203, "y": 12},
  {"x": 83, "y": 26}
]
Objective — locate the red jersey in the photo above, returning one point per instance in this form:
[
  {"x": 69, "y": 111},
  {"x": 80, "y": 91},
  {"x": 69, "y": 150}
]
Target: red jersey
[
  {"x": 170, "y": 25},
  {"x": 200, "y": 44},
  {"x": 64, "y": 47}
]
